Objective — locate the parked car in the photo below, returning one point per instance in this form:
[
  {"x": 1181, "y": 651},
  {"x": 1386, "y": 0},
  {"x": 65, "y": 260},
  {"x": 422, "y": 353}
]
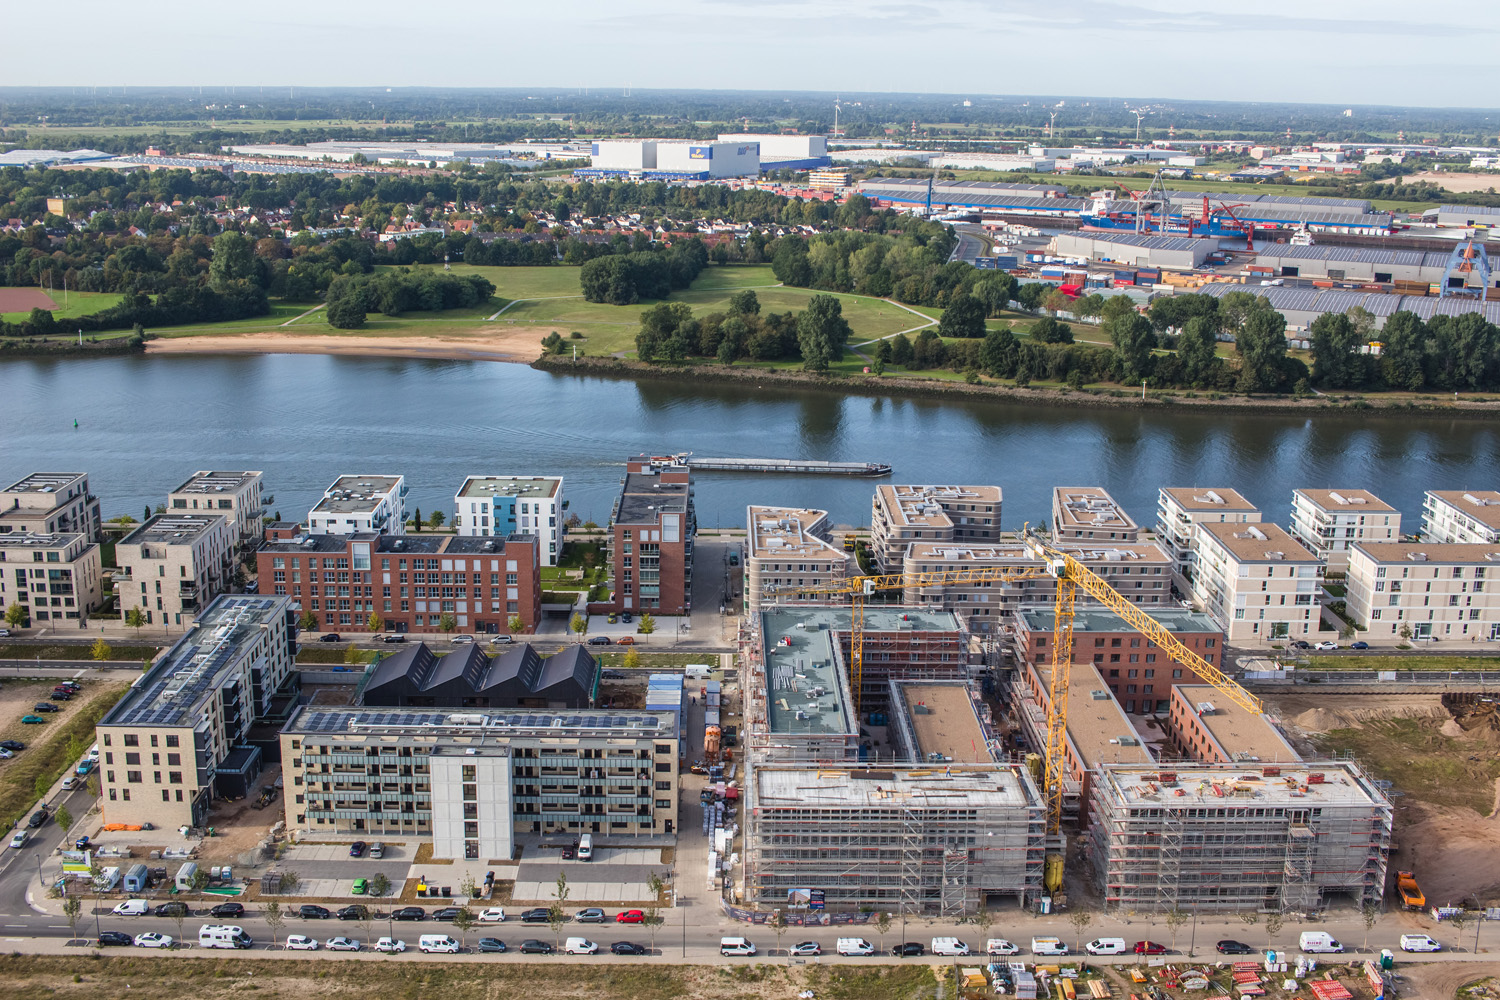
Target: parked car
[
  {"x": 228, "y": 910},
  {"x": 493, "y": 945},
  {"x": 1326, "y": 644},
  {"x": 461, "y": 640},
  {"x": 612, "y": 619},
  {"x": 448, "y": 913},
  {"x": 6, "y": 755},
  {"x": 390, "y": 946},
  {"x": 32, "y": 720},
  {"x": 46, "y": 706},
  {"x": 909, "y": 949},
  {"x": 531, "y": 946},
  {"x": 311, "y": 911},
  {"x": 569, "y": 853},
  {"x": 172, "y": 908},
  {"x": 360, "y": 887},
  {"x": 536, "y": 915},
  {"x": 625, "y": 640},
  {"x": 1231, "y": 947},
  {"x": 377, "y": 851},
  {"x": 580, "y": 946},
  {"x": 330, "y": 637},
  {"x": 85, "y": 766},
  {"x": 502, "y": 640},
  {"x": 592, "y": 915},
  {"x": 600, "y": 640},
  {"x": 12, "y": 745},
  {"x": 409, "y": 913},
  {"x": 804, "y": 948},
  {"x": 300, "y": 942},
  {"x": 631, "y": 917},
  {"x": 37, "y": 818},
  {"x": 61, "y": 695},
  {"x": 4, "y": 633},
  {"x": 627, "y": 617},
  {"x": 357, "y": 849},
  {"x": 151, "y": 939},
  {"x": 1150, "y": 948},
  {"x": 69, "y": 783},
  {"x": 1361, "y": 644},
  {"x": 20, "y": 839},
  {"x": 397, "y": 637},
  {"x": 492, "y": 915},
  {"x": 1301, "y": 644},
  {"x": 85, "y": 844},
  {"x": 131, "y": 908},
  {"x": 355, "y": 912},
  {"x": 342, "y": 943},
  {"x": 109, "y": 939},
  {"x": 613, "y": 675},
  {"x": 627, "y": 948}
]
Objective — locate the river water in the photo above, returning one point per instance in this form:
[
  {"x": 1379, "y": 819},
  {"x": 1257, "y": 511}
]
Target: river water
[{"x": 146, "y": 423}]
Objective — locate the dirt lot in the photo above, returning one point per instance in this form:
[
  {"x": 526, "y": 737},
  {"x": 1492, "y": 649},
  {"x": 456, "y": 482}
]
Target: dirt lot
[
  {"x": 1445, "y": 775},
  {"x": 17, "y": 699},
  {"x": 1440, "y": 981},
  {"x": 14, "y": 300},
  {"x": 1462, "y": 183},
  {"x": 240, "y": 826}
]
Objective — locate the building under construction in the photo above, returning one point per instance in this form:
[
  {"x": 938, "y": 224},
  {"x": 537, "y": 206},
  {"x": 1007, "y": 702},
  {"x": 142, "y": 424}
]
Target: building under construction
[{"x": 1220, "y": 837}]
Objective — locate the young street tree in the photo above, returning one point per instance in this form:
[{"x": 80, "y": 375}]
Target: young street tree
[
  {"x": 1175, "y": 918},
  {"x": 272, "y": 914},
  {"x": 646, "y": 625},
  {"x": 653, "y": 910},
  {"x": 136, "y": 619},
  {"x": 308, "y": 622},
  {"x": 1080, "y": 918},
  {"x": 578, "y": 623},
  {"x": 555, "y": 915},
  {"x": 463, "y": 921},
  {"x": 15, "y": 616},
  {"x": 100, "y": 650}
]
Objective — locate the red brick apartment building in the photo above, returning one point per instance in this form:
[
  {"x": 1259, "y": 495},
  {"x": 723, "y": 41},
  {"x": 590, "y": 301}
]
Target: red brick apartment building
[
  {"x": 651, "y": 538},
  {"x": 411, "y": 581}
]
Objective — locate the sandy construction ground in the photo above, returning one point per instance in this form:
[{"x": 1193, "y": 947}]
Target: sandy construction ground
[
  {"x": 1462, "y": 183},
  {"x": 521, "y": 344}
]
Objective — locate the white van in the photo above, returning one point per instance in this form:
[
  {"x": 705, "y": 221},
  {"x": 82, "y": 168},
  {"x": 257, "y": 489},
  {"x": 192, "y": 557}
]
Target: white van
[
  {"x": 1106, "y": 946},
  {"x": 949, "y": 946},
  {"x": 1000, "y": 946},
  {"x": 586, "y": 847},
  {"x": 1048, "y": 946},
  {"x": 579, "y": 946},
  {"x": 736, "y": 946},
  {"x": 224, "y": 936},
  {"x": 697, "y": 671},
  {"x": 430, "y": 943},
  {"x": 1419, "y": 942},
  {"x": 855, "y": 946},
  {"x": 1319, "y": 942},
  {"x": 131, "y": 908}
]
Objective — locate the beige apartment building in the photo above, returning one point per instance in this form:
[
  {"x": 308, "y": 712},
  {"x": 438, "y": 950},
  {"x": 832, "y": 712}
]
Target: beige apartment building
[
  {"x": 173, "y": 565},
  {"x": 1258, "y": 582},
  {"x": 1461, "y": 517},
  {"x": 55, "y": 578},
  {"x": 1140, "y": 571},
  {"x": 49, "y": 503},
  {"x": 903, "y": 515},
  {"x": 1179, "y": 511},
  {"x": 1434, "y": 591},
  {"x": 235, "y": 495},
  {"x": 177, "y": 739},
  {"x": 1090, "y": 514},
  {"x": 1329, "y": 522},
  {"x": 788, "y": 547}
]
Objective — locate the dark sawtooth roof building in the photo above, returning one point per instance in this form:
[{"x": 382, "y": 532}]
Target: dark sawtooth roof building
[{"x": 518, "y": 677}]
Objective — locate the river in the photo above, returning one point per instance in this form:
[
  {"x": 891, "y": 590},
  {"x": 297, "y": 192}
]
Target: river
[{"x": 146, "y": 423}]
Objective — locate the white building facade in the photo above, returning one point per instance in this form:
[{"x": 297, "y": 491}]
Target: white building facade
[
  {"x": 1329, "y": 522},
  {"x": 1461, "y": 517},
  {"x": 509, "y": 505},
  {"x": 361, "y": 503},
  {"x": 1425, "y": 590}
]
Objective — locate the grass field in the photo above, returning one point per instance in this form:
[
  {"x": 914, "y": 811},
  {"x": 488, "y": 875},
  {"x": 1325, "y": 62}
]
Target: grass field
[
  {"x": 79, "y": 304},
  {"x": 1421, "y": 761},
  {"x": 652, "y": 660},
  {"x": 1416, "y": 662}
]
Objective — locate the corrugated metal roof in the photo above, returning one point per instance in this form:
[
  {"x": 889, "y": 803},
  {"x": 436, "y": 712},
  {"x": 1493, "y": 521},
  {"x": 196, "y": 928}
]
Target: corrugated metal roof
[
  {"x": 1356, "y": 255},
  {"x": 1469, "y": 209},
  {"x": 1321, "y": 300},
  {"x": 1145, "y": 242}
]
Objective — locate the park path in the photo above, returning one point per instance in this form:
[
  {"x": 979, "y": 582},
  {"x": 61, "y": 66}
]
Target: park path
[{"x": 305, "y": 315}]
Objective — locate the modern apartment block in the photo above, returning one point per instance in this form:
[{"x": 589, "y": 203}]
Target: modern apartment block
[
  {"x": 1461, "y": 517},
  {"x": 651, "y": 538},
  {"x": 1329, "y": 522},
  {"x": 177, "y": 739},
  {"x": 361, "y": 503},
  {"x": 1437, "y": 591},
  {"x": 1206, "y": 726},
  {"x": 174, "y": 565},
  {"x": 787, "y": 547},
  {"x": 55, "y": 578},
  {"x": 471, "y": 781},
  {"x": 49, "y": 503},
  {"x": 413, "y": 582},
  {"x": 1179, "y": 511},
  {"x": 514, "y": 505},
  {"x": 1140, "y": 571},
  {"x": 1216, "y": 837},
  {"x": 903, "y": 515},
  {"x": 1090, "y": 514},
  {"x": 1139, "y": 674},
  {"x": 1258, "y": 582},
  {"x": 236, "y": 495}
]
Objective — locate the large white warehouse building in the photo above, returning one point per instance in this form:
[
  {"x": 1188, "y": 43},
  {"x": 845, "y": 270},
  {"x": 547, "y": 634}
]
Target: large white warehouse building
[
  {"x": 673, "y": 159},
  {"x": 786, "y": 152}
]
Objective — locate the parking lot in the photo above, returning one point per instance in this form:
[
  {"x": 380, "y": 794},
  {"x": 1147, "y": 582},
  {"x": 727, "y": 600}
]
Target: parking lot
[{"x": 616, "y": 875}]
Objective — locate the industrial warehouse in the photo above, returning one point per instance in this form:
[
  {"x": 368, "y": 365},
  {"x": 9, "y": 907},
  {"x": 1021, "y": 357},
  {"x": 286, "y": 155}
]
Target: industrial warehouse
[{"x": 740, "y": 155}]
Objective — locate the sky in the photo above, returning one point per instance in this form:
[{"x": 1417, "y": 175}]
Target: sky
[{"x": 1393, "y": 52}]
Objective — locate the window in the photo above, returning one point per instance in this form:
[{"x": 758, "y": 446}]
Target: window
[
  {"x": 133, "y": 777},
  {"x": 132, "y": 758},
  {"x": 132, "y": 740}
]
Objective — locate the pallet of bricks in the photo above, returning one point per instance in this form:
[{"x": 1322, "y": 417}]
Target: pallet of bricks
[
  {"x": 1330, "y": 989},
  {"x": 1246, "y": 976}
]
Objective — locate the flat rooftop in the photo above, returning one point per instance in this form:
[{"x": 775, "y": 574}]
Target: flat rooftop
[
  {"x": 173, "y": 691},
  {"x": 1015, "y": 553},
  {"x": 531, "y": 487},
  {"x": 356, "y": 494},
  {"x": 1258, "y": 542},
  {"x": 1343, "y": 501},
  {"x": 472, "y": 726},
  {"x": 787, "y": 531},
  {"x": 173, "y": 529},
  {"x": 1219, "y": 498},
  {"x": 1096, "y": 725},
  {"x": 1089, "y": 507},
  {"x": 924, "y": 506},
  {"x": 313, "y": 545},
  {"x": 1087, "y": 619},
  {"x": 1428, "y": 552},
  {"x": 1242, "y": 786},
  {"x": 943, "y": 721},
  {"x": 217, "y": 482},
  {"x": 807, "y": 692},
  {"x": 38, "y": 540},
  {"x": 645, "y": 497},
  {"x": 45, "y": 482},
  {"x": 1481, "y": 505},
  {"x": 1243, "y": 736},
  {"x": 923, "y": 786}
]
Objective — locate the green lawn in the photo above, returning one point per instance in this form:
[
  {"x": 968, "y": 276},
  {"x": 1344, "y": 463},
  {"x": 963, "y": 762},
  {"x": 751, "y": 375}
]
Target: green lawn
[
  {"x": 1413, "y": 662},
  {"x": 281, "y": 312},
  {"x": 78, "y": 304}
]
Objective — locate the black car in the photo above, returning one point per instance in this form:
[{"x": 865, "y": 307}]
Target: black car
[
  {"x": 355, "y": 912},
  {"x": 37, "y": 818},
  {"x": 330, "y": 637},
  {"x": 613, "y": 675},
  {"x": 1233, "y": 948},
  {"x": 398, "y": 637},
  {"x": 12, "y": 745},
  {"x": 409, "y": 913},
  {"x": 172, "y": 909},
  {"x": 108, "y": 938},
  {"x": 492, "y": 944},
  {"x": 627, "y": 948},
  {"x": 1300, "y": 644},
  {"x": 531, "y": 946},
  {"x": 600, "y": 640},
  {"x": 311, "y": 911},
  {"x": 46, "y": 706},
  {"x": 908, "y": 949},
  {"x": 448, "y": 913},
  {"x": 228, "y": 910},
  {"x": 534, "y": 916},
  {"x": 61, "y": 694},
  {"x": 357, "y": 849},
  {"x": 626, "y": 617}
]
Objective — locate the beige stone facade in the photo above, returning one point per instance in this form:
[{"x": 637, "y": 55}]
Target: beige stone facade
[
  {"x": 173, "y": 565},
  {"x": 1329, "y": 522},
  {"x": 788, "y": 547},
  {"x": 50, "y": 503},
  {"x": 1436, "y": 592},
  {"x": 55, "y": 578},
  {"x": 1179, "y": 511},
  {"x": 904, "y": 515},
  {"x": 235, "y": 495},
  {"x": 1258, "y": 582}
]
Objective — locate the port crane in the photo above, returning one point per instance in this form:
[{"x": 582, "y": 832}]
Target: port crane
[{"x": 1071, "y": 576}]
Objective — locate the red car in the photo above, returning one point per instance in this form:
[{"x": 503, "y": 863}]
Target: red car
[
  {"x": 630, "y": 917},
  {"x": 1150, "y": 948}
]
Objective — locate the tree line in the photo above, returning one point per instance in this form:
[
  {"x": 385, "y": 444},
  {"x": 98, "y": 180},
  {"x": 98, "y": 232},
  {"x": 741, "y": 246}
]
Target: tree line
[{"x": 352, "y": 297}]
